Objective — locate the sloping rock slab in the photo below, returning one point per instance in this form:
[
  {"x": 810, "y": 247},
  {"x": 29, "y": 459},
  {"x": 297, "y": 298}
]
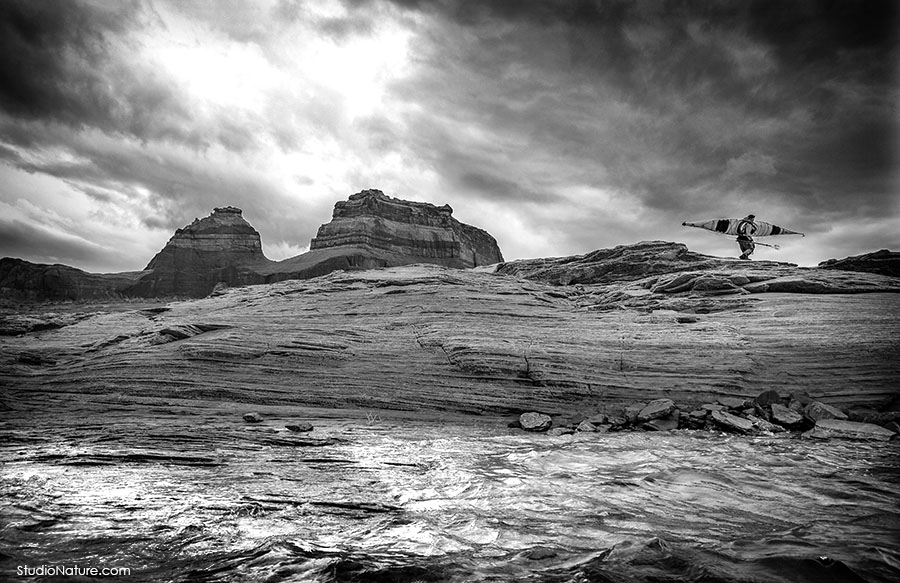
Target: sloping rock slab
[
  {"x": 837, "y": 428},
  {"x": 732, "y": 422}
]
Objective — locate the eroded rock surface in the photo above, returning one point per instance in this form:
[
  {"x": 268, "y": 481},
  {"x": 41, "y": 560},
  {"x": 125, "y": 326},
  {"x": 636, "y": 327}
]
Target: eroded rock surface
[{"x": 427, "y": 337}]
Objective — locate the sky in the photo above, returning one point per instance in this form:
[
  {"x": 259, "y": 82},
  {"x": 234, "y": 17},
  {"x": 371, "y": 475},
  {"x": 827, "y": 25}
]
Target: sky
[{"x": 558, "y": 126}]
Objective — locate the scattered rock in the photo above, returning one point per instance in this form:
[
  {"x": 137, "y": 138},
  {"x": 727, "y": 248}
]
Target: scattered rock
[
  {"x": 838, "y": 428},
  {"x": 795, "y": 405},
  {"x": 699, "y": 414},
  {"x": 732, "y": 422},
  {"x": 300, "y": 427},
  {"x": 802, "y": 398},
  {"x": 586, "y": 426},
  {"x": 598, "y": 419},
  {"x": 253, "y": 418},
  {"x": 533, "y": 421},
  {"x": 818, "y": 411},
  {"x": 786, "y": 417},
  {"x": 559, "y": 431},
  {"x": 656, "y": 409},
  {"x": 664, "y": 424},
  {"x": 712, "y": 407},
  {"x": 732, "y": 402},
  {"x": 763, "y": 425},
  {"x": 632, "y": 412},
  {"x": 767, "y": 398},
  {"x": 540, "y": 553}
]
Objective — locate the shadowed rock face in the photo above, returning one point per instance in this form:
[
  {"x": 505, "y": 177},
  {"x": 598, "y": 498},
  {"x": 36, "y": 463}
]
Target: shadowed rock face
[
  {"x": 23, "y": 280},
  {"x": 419, "y": 231},
  {"x": 222, "y": 247}
]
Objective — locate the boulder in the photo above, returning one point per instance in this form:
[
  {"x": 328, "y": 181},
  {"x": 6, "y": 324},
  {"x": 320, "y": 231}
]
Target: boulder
[
  {"x": 732, "y": 422},
  {"x": 664, "y": 423},
  {"x": 656, "y": 409},
  {"x": 560, "y": 431},
  {"x": 818, "y": 411},
  {"x": 598, "y": 419},
  {"x": 839, "y": 428},
  {"x": 533, "y": 421},
  {"x": 586, "y": 426},
  {"x": 786, "y": 417},
  {"x": 300, "y": 427},
  {"x": 253, "y": 418},
  {"x": 767, "y": 398},
  {"x": 632, "y": 412}
]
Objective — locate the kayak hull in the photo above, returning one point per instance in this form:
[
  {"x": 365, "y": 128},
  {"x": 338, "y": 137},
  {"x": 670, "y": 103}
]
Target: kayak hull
[{"x": 730, "y": 226}]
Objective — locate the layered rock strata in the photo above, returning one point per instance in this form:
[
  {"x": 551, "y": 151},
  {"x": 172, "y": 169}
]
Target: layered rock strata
[
  {"x": 421, "y": 232},
  {"x": 23, "y": 280},
  {"x": 431, "y": 338},
  {"x": 369, "y": 230},
  {"x": 222, "y": 247}
]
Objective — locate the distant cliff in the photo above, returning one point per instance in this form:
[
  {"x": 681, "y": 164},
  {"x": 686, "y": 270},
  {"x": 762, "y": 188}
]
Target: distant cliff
[
  {"x": 222, "y": 247},
  {"x": 369, "y": 230},
  {"x": 422, "y": 232}
]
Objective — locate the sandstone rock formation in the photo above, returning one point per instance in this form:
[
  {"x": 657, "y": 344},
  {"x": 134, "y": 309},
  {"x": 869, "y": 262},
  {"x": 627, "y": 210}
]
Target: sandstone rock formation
[
  {"x": 370, "y": 230},
  {"x": 419, "y": 232},
  {"x": 431, "y": 338},
  {"x": 222, "y": 247},
  {"x": 23, "y": 280},
  {"x": 883, "y": 262}
]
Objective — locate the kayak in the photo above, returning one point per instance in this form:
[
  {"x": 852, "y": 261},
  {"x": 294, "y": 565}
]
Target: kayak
[{"x": 730, "y": 226}]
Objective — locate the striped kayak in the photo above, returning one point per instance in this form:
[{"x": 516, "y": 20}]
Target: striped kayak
[{"x": 730, "y": 226}]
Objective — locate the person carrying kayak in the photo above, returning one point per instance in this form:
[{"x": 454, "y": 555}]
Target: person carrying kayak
[{"x": 745, "y": 230}]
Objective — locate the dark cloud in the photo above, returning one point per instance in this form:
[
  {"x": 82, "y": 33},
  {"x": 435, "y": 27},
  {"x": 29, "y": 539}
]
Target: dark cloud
[
  {"x": 60, "y": 63},
  {"x": 44, "y": 245},
  {"x": 680, "y": 106}
]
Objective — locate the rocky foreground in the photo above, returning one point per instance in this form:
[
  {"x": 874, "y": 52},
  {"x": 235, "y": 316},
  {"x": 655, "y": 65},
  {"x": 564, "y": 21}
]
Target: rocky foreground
[{"x": 490, "y": 341}]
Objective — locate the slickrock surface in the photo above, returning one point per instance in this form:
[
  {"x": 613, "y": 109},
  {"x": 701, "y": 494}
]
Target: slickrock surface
[
  {"x": 418, "y": 231},
  {"x": 426, "y": 337},
  {"x": 222, "y": 247}
]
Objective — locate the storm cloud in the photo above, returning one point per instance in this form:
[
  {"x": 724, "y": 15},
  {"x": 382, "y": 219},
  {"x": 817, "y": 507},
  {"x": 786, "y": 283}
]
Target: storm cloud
[{"x": 559, "y": 126}]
